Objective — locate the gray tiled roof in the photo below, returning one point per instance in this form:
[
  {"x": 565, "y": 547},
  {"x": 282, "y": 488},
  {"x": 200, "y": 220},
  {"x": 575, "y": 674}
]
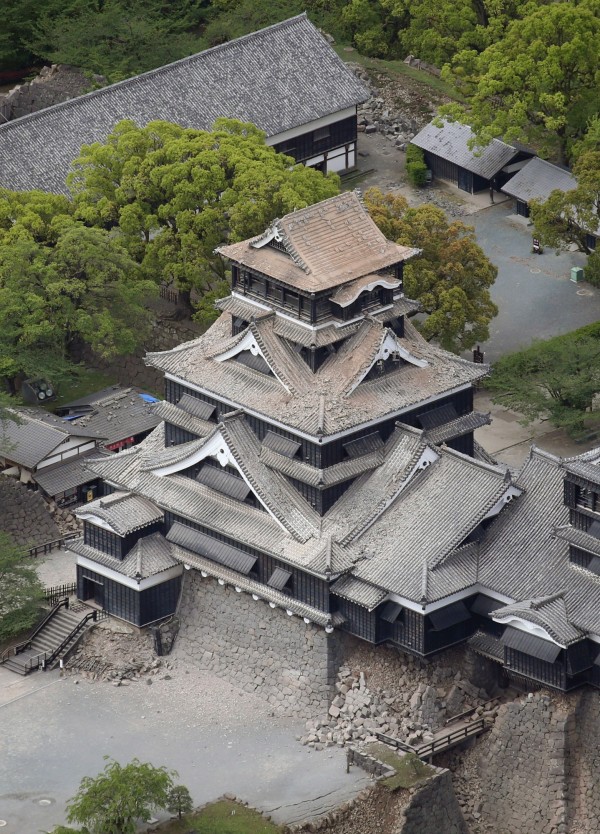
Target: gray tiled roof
[
  {"x": 68, "y": 475},
  {"x": 451, "y": 142},
  {"x": 411, "y": 549},
  {"x": 355, "y": 590},
  {"x": 307, "y": 474},
  {"x": 33, "y": 438},
  {"x": 235, "y": 579},
  {"x": 278, "y": 78},
  {"x": 183, "y": 419},
  {"x": 149, "y": 556},
  {"x": 487, "y": 645},
  {"x": 537, "y": 180},
  {"x": 522, "y": 556},
  {"x": 114, "y": 414},
  {"x": 456, "y": 428},
  {"x": 122, "y": 511},
  {"x": 579, "y": 538},
  {"x": 343, "y": 408},
  {"x": 586, "y": 466},
  {"x": 328, "y": 244},
  {"x": 550, "y": 613}
]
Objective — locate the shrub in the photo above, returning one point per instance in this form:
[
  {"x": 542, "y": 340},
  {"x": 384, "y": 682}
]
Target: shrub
[
  {"x": 591, "y": 270},
  {"x": 415, "y": 166}
]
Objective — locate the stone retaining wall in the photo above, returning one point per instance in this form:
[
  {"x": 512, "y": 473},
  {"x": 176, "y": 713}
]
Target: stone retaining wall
[
  {"x": 287, "y": 662},
  {"x": 53, "y": 85},
  {"x": 24, "y": 514},
  {"x": 428, "y": 808}
]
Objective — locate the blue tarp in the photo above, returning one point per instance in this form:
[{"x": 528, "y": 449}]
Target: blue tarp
[{"x": 148, "y": 398}]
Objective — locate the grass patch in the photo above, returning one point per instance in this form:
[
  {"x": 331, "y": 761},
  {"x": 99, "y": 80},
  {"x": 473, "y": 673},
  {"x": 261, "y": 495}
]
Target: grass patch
[
  {"x": 223, "y": 817},
  {"x": 409, "y": 769},
  {"x": 86, "y": 382},
  {"x": 397, "y": 69}
]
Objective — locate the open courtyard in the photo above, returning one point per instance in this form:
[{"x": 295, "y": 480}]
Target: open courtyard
[{"x": 220, "y": 740}]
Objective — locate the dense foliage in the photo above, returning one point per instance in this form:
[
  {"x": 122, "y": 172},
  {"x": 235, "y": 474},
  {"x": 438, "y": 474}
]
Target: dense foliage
[
  {"x": 20, "y": 588},
  {"x": 171, "y": 195},
  {"x": 63, "y": 285},
  {"x": 555, "y": 379},
  {"x": 451, "y": 278}
]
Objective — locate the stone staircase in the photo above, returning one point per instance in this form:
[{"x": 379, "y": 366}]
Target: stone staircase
[{"x": 48, "y": 639}]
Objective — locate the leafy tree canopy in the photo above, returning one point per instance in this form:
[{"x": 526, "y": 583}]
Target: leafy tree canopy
[
  {"x": 20, "y": 589},
  {"x": 451, "y": 278},
  {"x": 539, "y": 82},
  {"x": 555, "y": 379},
  {"x": 113, "y": 801},
  {"x": 63, "y": 285},
  {"x": 117, "y": 38},
  {"x": 569, "y": 217},
  {"x": 174, "y": 194}
]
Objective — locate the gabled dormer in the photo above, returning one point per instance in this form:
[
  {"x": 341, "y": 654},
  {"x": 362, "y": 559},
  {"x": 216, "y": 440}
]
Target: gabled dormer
[{"x": 113, "y": 524}]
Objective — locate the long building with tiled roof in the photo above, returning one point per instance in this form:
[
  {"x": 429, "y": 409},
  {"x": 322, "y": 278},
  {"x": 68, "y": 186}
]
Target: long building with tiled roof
[
  {"x": 286, "y": 79},
  {"x": 319, "y": 456}
]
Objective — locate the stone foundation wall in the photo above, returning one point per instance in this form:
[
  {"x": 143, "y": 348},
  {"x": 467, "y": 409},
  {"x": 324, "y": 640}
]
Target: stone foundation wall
[
  {"x": 166, "y": 333},
  {"x": 522, "y": 768},
  {"x": 290, "y": 664},
  {"x": 24, "y": 514},
  {"x": 429, "y": 808},
  {"x": 53, "y": 85}
]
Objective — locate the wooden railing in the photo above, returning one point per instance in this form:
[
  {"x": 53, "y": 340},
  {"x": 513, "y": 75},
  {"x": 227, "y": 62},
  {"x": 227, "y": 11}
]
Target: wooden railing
[
  {"x": 443, "y": 740},
  {"x": 48, "y": 547},
  {"x": 21, "y": 647}
]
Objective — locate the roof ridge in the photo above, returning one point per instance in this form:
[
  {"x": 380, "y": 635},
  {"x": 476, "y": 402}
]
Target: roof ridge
[{"x": 153, "y": 73}]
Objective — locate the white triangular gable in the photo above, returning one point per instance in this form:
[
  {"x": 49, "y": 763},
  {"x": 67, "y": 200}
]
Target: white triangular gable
[
  {"x": 215, "y": 447},
  {"x": 388, "y": 347},
  {"x": 248, "y": 342}
]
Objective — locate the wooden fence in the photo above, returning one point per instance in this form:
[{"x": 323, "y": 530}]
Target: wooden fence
[{"x": 57, "y": 592}]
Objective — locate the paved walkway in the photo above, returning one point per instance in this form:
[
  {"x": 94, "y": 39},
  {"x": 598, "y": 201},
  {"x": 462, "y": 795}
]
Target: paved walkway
[{"x": 218, "y": 738}]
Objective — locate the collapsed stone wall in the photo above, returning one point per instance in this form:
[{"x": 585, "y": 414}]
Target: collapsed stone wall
[
  {"x": 52, "y": 85},
  {"x": 536, "y": 770},
  {"x": 166, "y": 333},
  {"x": 428, "y": 808},
  {"x": 417, "y": 699},
  {"x": 24, "y": 514},
  {"x": 290, "y": 663}
]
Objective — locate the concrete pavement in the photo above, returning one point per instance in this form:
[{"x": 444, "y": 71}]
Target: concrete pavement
[{"x": 218, "y": 738}]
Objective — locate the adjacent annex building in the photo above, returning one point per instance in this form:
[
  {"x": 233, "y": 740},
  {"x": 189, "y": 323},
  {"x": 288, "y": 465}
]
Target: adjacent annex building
[
  {"x": 449, "y": 156},
  {"x": 317, "y": 456},
  {"x": 286, "y": 79}
]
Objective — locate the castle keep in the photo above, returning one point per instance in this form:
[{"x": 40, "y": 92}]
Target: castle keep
[{"x": 316, "y": 456}]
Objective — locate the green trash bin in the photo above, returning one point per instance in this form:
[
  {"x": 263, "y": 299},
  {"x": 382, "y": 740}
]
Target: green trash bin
[{"x": 576, "y": 274}]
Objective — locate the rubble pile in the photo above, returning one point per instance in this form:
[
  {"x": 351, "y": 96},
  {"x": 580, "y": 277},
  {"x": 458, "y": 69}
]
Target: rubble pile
[
  {"x": 115, "y": 653},
  {"x": 419, "y": 704},
  {"x": 64, "y": 519},
  {"x": 396, "y": 107}
]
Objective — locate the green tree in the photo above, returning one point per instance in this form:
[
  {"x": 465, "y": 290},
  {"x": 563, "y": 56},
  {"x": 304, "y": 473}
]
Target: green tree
[
  {"x": 117, "y": 38},
  {"x": 180, "y": 801},
  {"x": 538, "y": 83},
  {"x": 113, "y": 801},
  {"x": 555, "y": 379},
  {"x": 20, "y": 589},
  {"x": 63, "y": 286},
  {"x": 174, "y": 194},
  {"x": 568, "y": 217},
  {"x": 451, "y": 278}
]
